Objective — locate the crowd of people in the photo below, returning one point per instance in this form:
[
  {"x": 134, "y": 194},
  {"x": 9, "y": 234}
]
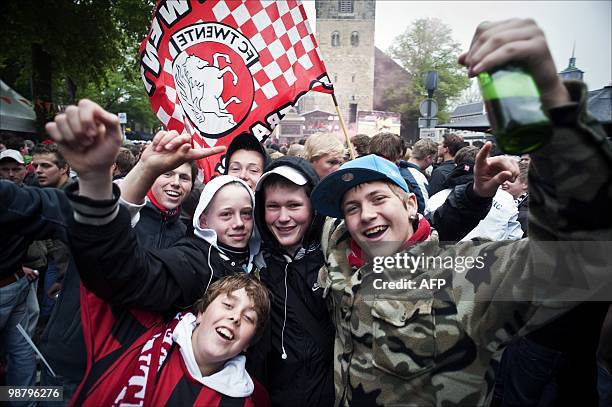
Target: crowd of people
[{"x": 142, "y": 285}]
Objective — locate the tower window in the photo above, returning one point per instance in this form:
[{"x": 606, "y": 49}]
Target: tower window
[
  {"x": 335, "y": 39},
  {"x": 353, "y": 78},
  {"x": 345, "y": 6},
  {"x": 355, "y": 39}
]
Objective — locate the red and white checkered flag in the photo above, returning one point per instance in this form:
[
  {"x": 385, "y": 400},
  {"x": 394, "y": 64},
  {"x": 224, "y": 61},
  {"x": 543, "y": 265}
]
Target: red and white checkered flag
[{"x": 219, "y": 68}]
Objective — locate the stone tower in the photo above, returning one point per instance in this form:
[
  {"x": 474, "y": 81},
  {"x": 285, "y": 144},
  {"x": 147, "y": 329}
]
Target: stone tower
[{"x": 345, "y": 33}]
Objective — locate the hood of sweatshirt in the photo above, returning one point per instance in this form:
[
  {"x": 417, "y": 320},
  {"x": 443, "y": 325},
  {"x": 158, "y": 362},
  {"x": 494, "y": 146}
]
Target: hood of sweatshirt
[
  {"x": 232, "y": 380},
  {"x": 209, "y": 235}
]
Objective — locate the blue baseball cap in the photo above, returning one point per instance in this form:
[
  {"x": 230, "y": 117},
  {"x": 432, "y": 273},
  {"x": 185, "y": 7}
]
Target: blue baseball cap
[{"x": 327, "y": 195}]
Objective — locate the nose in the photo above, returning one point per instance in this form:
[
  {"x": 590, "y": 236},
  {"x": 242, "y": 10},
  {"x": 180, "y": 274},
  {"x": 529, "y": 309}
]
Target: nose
[
  {"x": 238, "y": 222},
  {"x": 175, "y": 180},
  {"x": 243, "y": 174},
  {"x": 283, "y": 215},
  {"x": 235, "y": 317},
  {"x": 367, "y": 213}
]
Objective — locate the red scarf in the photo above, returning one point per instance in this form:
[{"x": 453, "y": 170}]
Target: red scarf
[
  {"x": 166, "y": 213},
  {"x": 355, "y": 257},
  {"x": 139, "y": 385}
]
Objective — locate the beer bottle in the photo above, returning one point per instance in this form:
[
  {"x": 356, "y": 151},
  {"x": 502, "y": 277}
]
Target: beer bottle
[{"x": 513, "y": 106}]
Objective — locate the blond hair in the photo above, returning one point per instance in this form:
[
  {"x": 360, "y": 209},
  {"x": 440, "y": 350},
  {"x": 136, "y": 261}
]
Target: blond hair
[{"x": 321, "y": 144}]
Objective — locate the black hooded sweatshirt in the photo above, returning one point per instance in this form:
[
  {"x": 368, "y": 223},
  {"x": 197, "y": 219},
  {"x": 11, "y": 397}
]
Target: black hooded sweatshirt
[{"x": 305, "y": 376}]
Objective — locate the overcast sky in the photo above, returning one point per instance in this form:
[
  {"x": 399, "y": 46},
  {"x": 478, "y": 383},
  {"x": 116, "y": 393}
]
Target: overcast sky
[{"x": 587, "y": 23}]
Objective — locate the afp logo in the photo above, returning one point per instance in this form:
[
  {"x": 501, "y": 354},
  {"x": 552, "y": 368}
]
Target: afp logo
[{"x": 214, "y": 85}]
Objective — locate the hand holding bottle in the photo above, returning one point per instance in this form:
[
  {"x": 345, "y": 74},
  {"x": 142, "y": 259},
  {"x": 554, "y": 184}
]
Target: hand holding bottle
[{"x": 518, "y": 41}]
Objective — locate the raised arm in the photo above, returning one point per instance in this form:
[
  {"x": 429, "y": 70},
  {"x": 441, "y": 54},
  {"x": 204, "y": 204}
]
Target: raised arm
[
  {"x": 109, "y": 259},
  {"x": 566, "y": 258},
  {"x": 468, "y": 204}
]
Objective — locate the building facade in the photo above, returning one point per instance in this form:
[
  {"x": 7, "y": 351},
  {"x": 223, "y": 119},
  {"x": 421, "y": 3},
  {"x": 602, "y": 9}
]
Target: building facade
[{"x": 345, "y": 33}]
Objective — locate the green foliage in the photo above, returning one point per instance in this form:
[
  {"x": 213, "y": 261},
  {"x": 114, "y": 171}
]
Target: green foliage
[
  {"x": 426, "y": 45},
  {"x": 86, "y": 44}
]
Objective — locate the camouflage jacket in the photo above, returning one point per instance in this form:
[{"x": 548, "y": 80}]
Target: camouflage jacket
[{"x": 431, "y": 344}]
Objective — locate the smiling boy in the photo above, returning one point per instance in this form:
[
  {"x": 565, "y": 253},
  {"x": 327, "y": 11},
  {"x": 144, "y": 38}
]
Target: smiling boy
[
  {"x": 137, "y": 357},
  {"x": 432, "y": 346}
]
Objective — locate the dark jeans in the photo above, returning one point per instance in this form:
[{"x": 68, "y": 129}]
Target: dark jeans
[
  {"x": 526, "y": 375},
  {"x": 46, "y": 379},
  {"x": 604, "y": 386}
]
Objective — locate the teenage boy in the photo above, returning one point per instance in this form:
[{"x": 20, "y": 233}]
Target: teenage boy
[
  {"x": 140, "y": 358},
  {"x": 433, "y": 346},
  {"x": 294, "y": 361},
  {"x": 246, "y": 159}
]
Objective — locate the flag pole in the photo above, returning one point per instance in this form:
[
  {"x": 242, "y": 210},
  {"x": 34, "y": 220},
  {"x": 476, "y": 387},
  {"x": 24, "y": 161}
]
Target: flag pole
[{"x": 343, "y": 126}]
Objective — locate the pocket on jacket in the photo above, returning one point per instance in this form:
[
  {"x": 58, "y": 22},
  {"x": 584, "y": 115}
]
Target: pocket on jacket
[{"x": 403, "y": 337}]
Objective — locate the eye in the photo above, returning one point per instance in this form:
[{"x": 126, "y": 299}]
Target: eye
[
  {"x": 271, "y": 206},
  {"x": 295, "y": 205},
  {"x": 185, "y": 178},
  {"x": 379, "y": 199},
  {"x": 167, "y": 174},
  {"x": 255, "y": 171},
  {"x": 350, "y": 209},
  {"x": 249, "y": 318},
  {"x": 227, "y": 305},
  {"x": 225, "y": 214}
]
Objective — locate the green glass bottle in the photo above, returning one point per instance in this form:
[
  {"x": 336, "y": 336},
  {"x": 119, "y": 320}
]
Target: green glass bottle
[{"x": 513, "y": 106}]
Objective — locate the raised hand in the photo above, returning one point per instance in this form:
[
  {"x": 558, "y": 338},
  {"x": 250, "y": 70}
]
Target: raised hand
[
  {"x": 521, "y": 41},
  {"x": 88, "y": 136},
  {"x": 491, "y": 172},
  {"x": 170, "y": 149},
  {"x": 167, "y": 151}
]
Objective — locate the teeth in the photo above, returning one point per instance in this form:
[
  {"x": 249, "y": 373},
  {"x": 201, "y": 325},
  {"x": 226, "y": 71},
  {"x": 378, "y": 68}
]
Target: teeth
[
  {"x": 226, "y": 333},
  {"x": 173, "y": 193},
  {"x": 375, "y": 230}
]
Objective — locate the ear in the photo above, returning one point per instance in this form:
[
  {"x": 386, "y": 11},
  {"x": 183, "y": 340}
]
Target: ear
[
  {"x": 199, "y": 318},
  {"x": 203, "y": 223},
  {"x": 410, "y": 203}
]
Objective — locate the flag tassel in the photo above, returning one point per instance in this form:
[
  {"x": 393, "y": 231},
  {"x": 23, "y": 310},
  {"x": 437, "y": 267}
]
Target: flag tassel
[{"x": 344, "y": 130}]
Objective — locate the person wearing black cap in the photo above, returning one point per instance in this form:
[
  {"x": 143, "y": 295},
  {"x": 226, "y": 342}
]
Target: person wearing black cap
[{"x": 246, "y": 159}]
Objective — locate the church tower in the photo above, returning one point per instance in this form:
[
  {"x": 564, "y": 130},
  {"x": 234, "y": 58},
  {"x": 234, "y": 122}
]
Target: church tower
[
  {"x": 571, "y": 72},
  {"x": 345, "y": 33}
]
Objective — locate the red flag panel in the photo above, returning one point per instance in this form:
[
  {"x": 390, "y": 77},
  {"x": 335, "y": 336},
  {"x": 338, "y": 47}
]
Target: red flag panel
[{"x": 217, "y": 69}]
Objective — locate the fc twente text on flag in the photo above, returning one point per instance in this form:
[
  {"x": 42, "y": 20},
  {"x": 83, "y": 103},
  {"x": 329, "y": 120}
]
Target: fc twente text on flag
[{"x": 217, "y": 69}]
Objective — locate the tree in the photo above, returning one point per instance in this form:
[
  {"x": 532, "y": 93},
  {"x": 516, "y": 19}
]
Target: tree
[
  {"x": 426, "y": 45},
  {"x": 58, "y": 47}
]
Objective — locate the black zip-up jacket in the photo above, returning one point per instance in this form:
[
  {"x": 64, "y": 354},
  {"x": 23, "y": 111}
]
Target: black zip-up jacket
[
  {"x": 119, "y": 270},
  {"x": 305, "y": 377},
  {"x": 156, "y": 231},
  {"x": 439, "y": 175},
  {"x": 28, "y": 214}
]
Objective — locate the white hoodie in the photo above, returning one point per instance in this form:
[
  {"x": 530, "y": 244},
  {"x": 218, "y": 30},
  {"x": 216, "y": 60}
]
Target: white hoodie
[{"x": 210, "y": 235}]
